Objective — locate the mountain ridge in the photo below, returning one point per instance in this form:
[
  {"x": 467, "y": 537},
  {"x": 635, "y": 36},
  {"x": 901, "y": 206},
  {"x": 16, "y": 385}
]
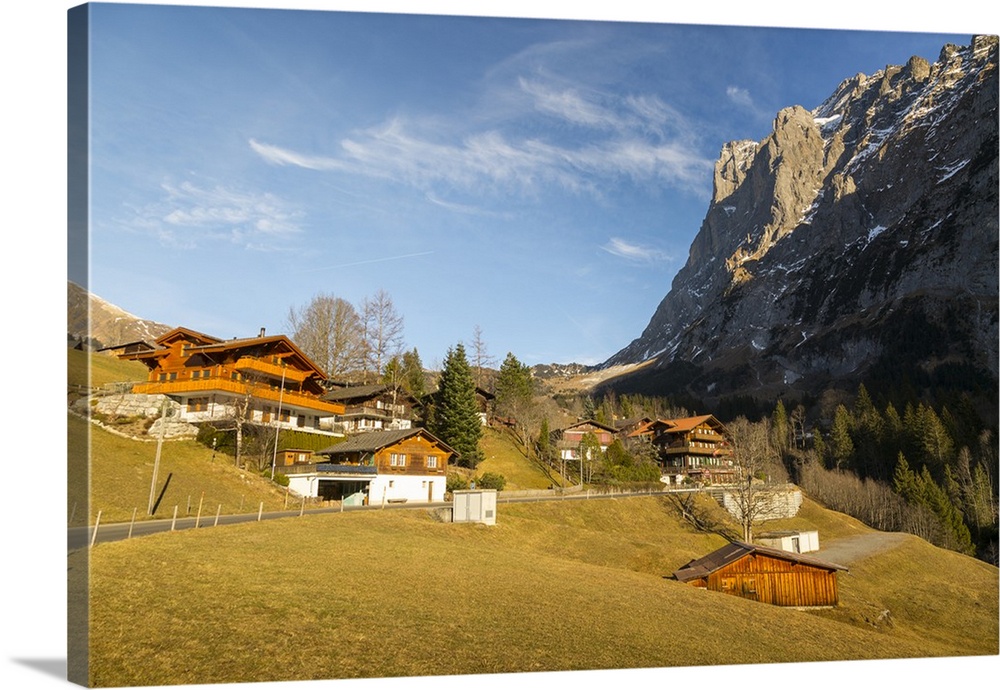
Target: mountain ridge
[
  {"x": 856, "y": 236},
  {"x": 96, "y": 321}
]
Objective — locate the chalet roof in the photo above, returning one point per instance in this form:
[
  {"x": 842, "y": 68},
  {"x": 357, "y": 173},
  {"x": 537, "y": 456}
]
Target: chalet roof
[
  {"x": 734, "y": 551},
  {"x": 688, "y": 423},
  {"x": 208, "y": 344},
  {"x": 188, "y": 333},
  {"x": 374, "y": 441},
  {"x": 146, "y": 345},
  {"x": 355, "y": 392},
  {"x": 590, "y": 422}
]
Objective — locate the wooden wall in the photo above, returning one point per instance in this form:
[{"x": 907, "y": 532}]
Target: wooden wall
[{"x": 776, "y": 581}]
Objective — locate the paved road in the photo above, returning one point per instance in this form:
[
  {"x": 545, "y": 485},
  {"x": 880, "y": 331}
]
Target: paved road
[{"x": 79, "y": 537}]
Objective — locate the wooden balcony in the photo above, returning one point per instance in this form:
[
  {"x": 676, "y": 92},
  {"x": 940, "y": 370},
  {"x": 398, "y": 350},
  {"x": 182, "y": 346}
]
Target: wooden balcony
[
  {"x": 275, "y": 371},
  {"x": 239, "y": 388}
]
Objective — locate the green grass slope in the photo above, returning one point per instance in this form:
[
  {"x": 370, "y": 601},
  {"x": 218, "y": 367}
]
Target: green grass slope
[
  {"x": 563, "y": 585},
  {"x": 504, "y": 456},
  {"x": 121, "y": 473}
]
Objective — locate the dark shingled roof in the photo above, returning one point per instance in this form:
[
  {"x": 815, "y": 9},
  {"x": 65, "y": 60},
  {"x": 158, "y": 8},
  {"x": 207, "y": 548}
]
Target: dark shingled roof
[
  {"x": 374, "y": 441},
  {"x": 732, "y": 552}
]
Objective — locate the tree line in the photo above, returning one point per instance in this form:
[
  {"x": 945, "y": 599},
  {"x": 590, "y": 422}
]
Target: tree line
[{"x": 931, "y": 472}]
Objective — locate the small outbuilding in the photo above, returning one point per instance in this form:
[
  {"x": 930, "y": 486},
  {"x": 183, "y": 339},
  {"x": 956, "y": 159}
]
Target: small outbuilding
[
  {"x": 791, "y": 540},
  {"x": 475, "y": 505},
  {"x": 764, "y": 574}
]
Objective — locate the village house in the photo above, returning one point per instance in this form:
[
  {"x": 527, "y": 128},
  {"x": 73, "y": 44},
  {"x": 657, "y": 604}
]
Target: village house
[
  {"x": 266, "y": 379},
  {"x": 374, "y": 407},
  {"x": 764, "y": 574},
  {"x": 568, "y": 440},
  {"x": 404, "y": 465},
  {"x": 692, "y": 448}
]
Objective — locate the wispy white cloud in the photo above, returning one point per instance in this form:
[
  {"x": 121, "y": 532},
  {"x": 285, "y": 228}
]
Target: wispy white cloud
[
  {"x": 740, "y": 97},
  {"x": 523, "y": 134},
  {"x": 280, "y": 156},
  {"x": 189, "y": 215},
  {"x": 634, "y": 252}
]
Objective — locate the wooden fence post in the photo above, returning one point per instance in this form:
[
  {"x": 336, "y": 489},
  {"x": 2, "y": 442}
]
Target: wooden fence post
[
  {"x": 173, "y": 522},
  {"x": 97, "y": 524},
  {"x": 197, "y": 520},
  {"x": 218, "y": 510},
  {"x": 260, "y": 511},
  {"x": 131, "y": 524}
]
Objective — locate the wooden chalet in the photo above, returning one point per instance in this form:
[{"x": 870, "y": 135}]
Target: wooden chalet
[
  {"x": 371, "y": 408},
  {"x": 568, "y": 440},
  {"x": 764, "y": 574},
  {"x": 693, "y": 448},
  {"x": 211, "y": 378},
  {"x": 399, "y": 465}
]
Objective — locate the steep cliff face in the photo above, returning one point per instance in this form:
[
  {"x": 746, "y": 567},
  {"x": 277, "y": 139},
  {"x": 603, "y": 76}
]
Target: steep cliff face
[{"x": 856, "y": 242}]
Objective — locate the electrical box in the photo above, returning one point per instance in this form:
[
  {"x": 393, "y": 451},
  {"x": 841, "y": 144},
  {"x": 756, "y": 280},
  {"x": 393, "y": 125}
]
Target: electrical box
[{"x": 474, "y": 505}]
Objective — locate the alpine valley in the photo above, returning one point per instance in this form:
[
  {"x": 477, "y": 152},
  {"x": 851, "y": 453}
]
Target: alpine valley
[{"x": 857, "y": 243}]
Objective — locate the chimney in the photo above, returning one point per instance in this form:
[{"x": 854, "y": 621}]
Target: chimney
[{"x": 261, "y": 332}]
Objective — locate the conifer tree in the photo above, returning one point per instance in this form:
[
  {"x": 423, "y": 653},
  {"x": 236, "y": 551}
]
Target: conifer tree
[
  {"x": 514, "y": 390},
  {"x": 456, "y": 418},
  {"x": 841, "y": 445},
  {"x": 780, "y": 428}
]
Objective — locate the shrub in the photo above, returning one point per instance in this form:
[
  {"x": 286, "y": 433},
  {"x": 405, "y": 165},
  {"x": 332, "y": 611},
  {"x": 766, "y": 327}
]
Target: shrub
[
  {"x": 491, "y": 480},
  {"x": 456, "y": 483}
]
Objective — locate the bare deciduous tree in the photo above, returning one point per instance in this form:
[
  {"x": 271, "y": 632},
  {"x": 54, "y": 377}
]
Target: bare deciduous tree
[
  {"x": 481, "y": 358},
  {"x": 328, "y": 330},
  {"x": 383, "y": 331},
  {"x": 758, "y": 473}
]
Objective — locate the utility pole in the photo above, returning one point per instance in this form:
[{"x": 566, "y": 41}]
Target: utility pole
[
  {"x": 277, "y": 421},
  {"x": 159, "y": 448}
]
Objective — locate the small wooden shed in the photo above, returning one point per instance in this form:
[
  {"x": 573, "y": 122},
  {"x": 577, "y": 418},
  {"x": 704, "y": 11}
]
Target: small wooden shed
[{"x": 760, "y": 573}]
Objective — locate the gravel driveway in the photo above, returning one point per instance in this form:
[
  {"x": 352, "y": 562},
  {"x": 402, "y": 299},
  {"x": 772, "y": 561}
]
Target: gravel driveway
[{"x": 846, "y": 550}]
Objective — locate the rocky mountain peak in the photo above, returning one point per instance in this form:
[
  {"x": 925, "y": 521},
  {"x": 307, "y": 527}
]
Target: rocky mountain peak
[{"x": 876, "y": 210}]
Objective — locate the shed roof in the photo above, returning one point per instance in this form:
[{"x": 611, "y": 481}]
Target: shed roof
[
  {"x": 734, "y": 551},
  {"x": 374, "y": 441}
]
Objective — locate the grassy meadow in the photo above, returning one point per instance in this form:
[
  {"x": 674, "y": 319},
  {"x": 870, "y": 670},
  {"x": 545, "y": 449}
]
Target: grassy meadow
[{"x": 554, "y": 586}]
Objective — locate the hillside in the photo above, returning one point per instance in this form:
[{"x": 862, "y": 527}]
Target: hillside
[
  {"x": 553, "y": 586},
  {"x": 104, "y": 324},
  {"x": 121, "y": 471}
]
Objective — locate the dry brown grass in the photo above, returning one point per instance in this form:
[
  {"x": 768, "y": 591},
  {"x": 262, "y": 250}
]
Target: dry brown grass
[
  {"x": 121, "y": 472},
  {"x": 553, "y": 586}
]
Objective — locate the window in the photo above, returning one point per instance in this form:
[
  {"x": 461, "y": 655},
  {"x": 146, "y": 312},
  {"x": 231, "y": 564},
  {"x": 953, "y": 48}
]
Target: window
[
  {"x": 432, "y": 462},
  {"x": 197, "y": 404},
  {"x": 397, "y": 459}
]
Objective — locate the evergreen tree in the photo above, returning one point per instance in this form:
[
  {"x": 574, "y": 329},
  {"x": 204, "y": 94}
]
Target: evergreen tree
[
  {"x": 456, "y": 416},
  {"x": 780, "y": 428},
  {"x": 514, "y": 401},
  {"x": 841, "y": 445},
  {"x": 413, "y": 374},
  {"x": 867, "y": 435},
  {"x": 819, "y": 446}
]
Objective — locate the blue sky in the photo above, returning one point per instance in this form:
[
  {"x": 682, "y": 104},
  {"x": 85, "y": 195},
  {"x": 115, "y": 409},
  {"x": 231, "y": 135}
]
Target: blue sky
[{"x": 539, "y": 179}]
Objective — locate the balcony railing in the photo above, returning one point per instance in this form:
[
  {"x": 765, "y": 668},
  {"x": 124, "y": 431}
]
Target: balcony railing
[
  {"x": 275, "y": 371},
  {"x": 329, "y": 468},
  {"x": 239, "y": 388}
]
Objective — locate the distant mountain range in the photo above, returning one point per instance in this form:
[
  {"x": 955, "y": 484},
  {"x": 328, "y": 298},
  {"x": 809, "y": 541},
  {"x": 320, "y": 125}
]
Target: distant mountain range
[
  {"x": 855, "y": 243},
  {"x": 98, "y": 323}
]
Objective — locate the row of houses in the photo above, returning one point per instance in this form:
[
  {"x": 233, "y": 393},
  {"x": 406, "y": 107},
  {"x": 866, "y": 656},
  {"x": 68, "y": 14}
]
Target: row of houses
[
  {"x": 689, "y": 449},
  {"x": 268, "y": 380}
]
